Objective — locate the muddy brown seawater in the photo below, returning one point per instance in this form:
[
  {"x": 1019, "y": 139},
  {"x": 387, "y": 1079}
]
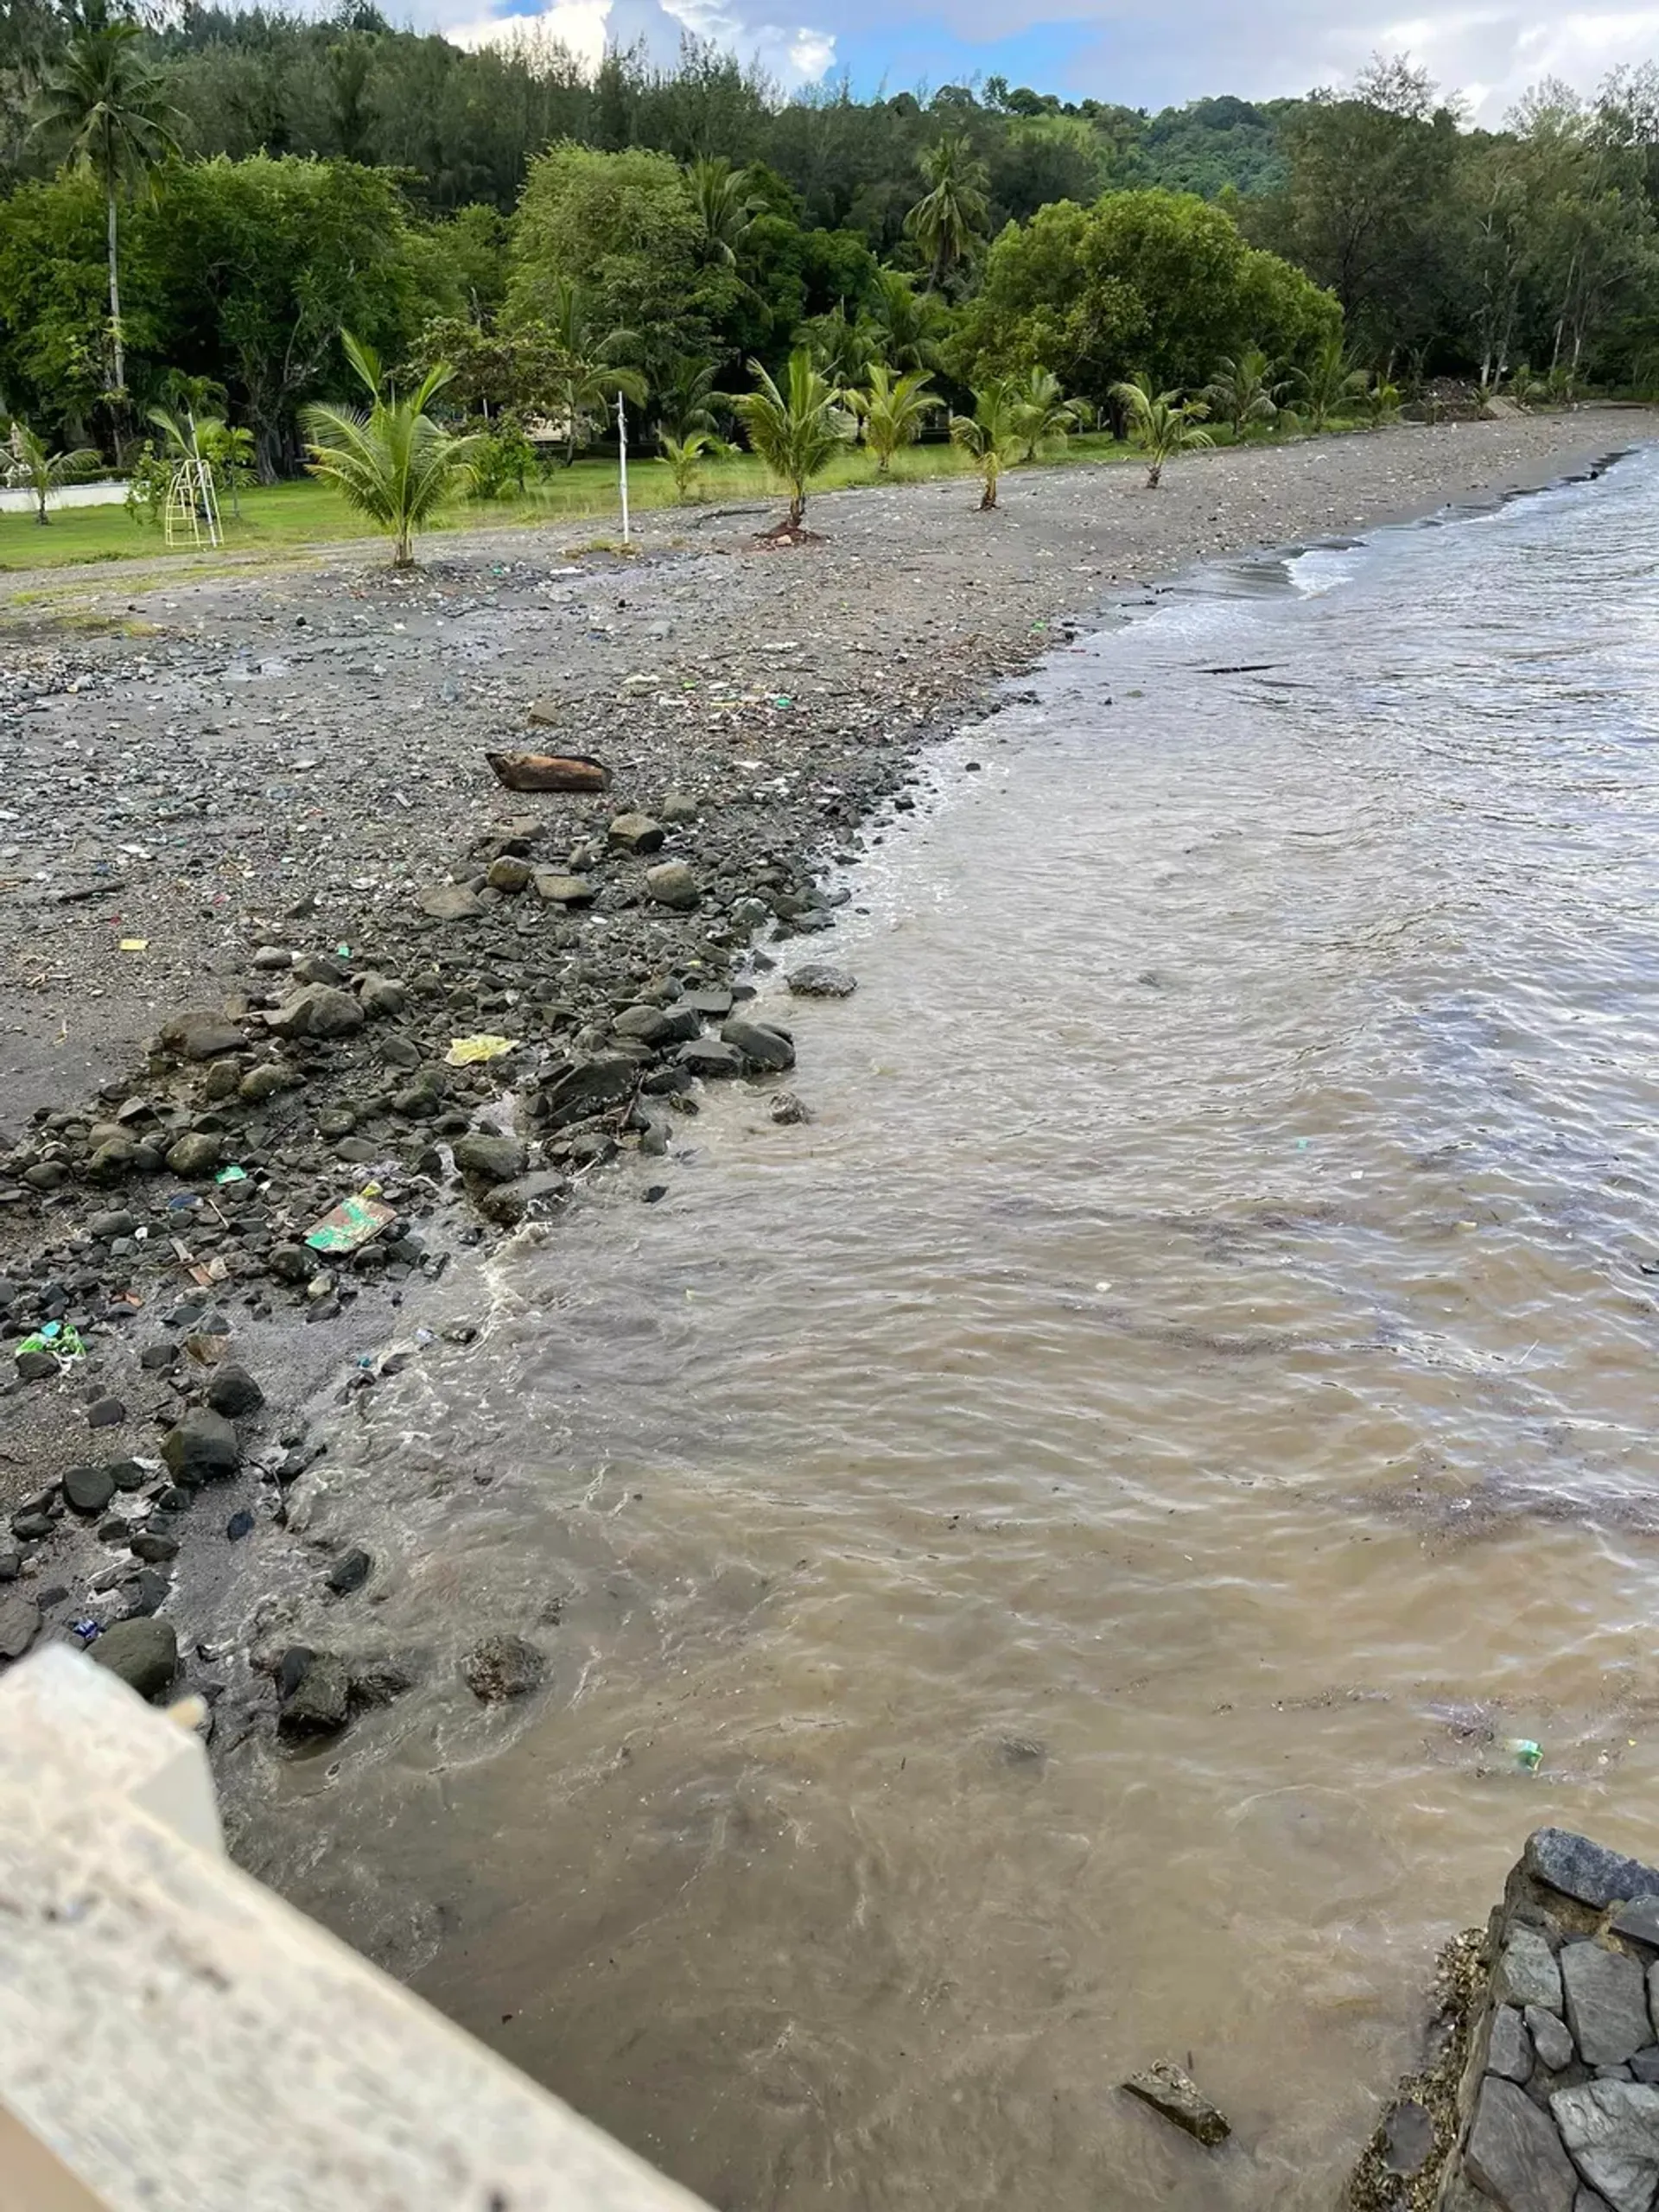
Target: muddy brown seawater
[{"x": 1040, "y": 1567}]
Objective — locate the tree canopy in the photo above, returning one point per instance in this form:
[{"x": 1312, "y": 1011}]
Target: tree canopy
[{"x": 282, "y": 176}]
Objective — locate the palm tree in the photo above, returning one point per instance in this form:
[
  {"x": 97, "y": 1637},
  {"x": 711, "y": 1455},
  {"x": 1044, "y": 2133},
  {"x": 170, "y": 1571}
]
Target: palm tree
[
  {"x": 190, "y": 436},
  {"x": 842, "y": 346},
  {"x": 724, "y": 209},
  {"x": 591, "y": 376},
  {"x": 797, "y": 430},
  {"x": 44, "y": 473},
  {"x": 947, "y": 221},
  {"x": 1242, "y": 392},
  {"x": 1383, "y": 402},
  {"x": 1333, "y": 380},
  {"x": 1526, "y": 387},
  {"x": 892, "y": 410},
  {"x": 685, "y": 456},
  {"x": 105, "y": 104},
  {"x": 1042, "y": 418},
  {"x": 687, "y": 400},
  {"x": 990, "y": 434},
  {"x": 392, "y": 461},
  {"x": 1160, "y": 424},
  {"x": 911, "y": 323}
]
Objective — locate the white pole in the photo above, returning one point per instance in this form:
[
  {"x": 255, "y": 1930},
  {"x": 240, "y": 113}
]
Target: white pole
[{"x": 622, "y": 461}]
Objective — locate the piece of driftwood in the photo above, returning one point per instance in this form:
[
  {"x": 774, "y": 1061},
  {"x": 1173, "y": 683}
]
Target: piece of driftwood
[{"x": 550, "y": 771}]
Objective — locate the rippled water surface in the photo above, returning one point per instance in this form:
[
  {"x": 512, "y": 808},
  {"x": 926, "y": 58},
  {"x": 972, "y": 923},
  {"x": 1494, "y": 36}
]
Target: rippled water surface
[{"x": 1045, "y": 1557}]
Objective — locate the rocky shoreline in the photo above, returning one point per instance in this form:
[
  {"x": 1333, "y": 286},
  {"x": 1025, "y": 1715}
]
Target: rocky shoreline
[
  {"x": 260, "y": 899},
  {"x": 1538, "y": 2094}
]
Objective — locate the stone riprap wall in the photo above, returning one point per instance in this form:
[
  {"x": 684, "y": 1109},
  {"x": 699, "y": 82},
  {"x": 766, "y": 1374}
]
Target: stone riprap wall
[{"x": 1546, "y": 2097}]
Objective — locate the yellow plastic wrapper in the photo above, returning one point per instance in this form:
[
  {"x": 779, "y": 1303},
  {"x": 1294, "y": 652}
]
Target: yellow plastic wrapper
[{"x": 466, "y": 1051}]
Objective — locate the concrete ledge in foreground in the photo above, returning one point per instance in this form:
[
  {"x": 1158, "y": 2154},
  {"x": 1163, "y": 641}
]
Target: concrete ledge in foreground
[{"x": 171, "y": 2034}]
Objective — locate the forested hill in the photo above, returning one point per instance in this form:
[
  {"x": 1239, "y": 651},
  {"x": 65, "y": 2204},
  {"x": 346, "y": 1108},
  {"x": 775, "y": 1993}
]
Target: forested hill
[
  {"x": 464, "y": 125},
  {"x": 553, "y": 229}
]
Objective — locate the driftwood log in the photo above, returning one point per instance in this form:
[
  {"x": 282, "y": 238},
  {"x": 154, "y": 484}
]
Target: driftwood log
[{"x": 550, "y": 771}]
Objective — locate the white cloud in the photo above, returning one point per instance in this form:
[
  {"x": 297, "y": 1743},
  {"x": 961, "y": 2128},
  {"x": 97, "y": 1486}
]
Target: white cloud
[{"x": 792, "y": 55}]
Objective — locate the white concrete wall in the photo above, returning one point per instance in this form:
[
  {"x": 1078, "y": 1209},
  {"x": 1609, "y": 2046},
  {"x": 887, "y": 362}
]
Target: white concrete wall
[
  {"x": 16, "y": 502},
  {"x": 174, "y": 2039}
]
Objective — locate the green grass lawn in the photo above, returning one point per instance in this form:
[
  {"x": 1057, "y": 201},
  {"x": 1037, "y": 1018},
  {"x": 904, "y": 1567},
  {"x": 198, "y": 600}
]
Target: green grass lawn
[{"x": 289, "y": 517}]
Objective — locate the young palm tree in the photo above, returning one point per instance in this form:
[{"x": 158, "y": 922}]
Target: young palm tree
[
  {"x": 686, "y": 399},
  {"x": 1330, "y": 381},
  {"x": 1243, "y": 393},
  {"x": 191, "y": 437},
  {"x": 103, "y": 104},
  {"x": 27, "y": 462},
  {"x": 991, "y": 434},
  {"x": 685, "y": 456},
  {"x": 842, "y": 346},
  {"x": 948, "y": 222},
  {"x": 392, "y": 461},
  {"x": 1526, "y": 387},
  {"x": 1383, "y": 402},
  {"x": 591, "y": 378},
  {"x": 797, "y": 429},
  {"x": 724, "y": 207},
  {"x": 1160, "y": 424},
  {"x": 911, "y": 323},
  {"x": 892, "y": 410},
  {"x": 1042, "y": 418}
]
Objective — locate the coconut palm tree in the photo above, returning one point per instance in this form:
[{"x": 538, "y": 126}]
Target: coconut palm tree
[
  {"x": 587, "y": 383},
  {"x": 892, "y": 410},
  {"x": 191, "y": 437},
  {"x": 105, "y": 104},
  {"x": 991, "y": 434},
  {"x": 28, "y": 462},
  {"x": 392, "y": 460},
  {"x": 724, "y": 206},
  {"x": 1331, "y": 380},
  {"x": 1383, "y": 402},
  {"x": 686, "y": 399},
  {"x": 843, "y": 346},
  {"x": 948, "y": 222},
  {"x": 1160, "y": 424},
  {"x": 685, "y": 456},
  {"x": 911, "y": 323},
  {"x": 797, "y": 429},
  {"x": 1042, "y": 417},
  {"x": 1243, "y": 393}
]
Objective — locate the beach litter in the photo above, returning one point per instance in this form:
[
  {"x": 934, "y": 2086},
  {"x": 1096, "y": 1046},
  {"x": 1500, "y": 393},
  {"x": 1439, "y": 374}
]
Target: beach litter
[
  {"x": 467, "y": 1051},
  {"x": 56, "y": 1337},
  {"x": 350, "y": 1225}
]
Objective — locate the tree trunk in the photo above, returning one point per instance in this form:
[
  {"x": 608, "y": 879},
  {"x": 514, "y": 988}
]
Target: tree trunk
[
  {"x": 796, "y": 508},
  {"x": 115, "y": 287},
  {"x": 403, "y": 555},
  {"x": 1154, "y": 475}
]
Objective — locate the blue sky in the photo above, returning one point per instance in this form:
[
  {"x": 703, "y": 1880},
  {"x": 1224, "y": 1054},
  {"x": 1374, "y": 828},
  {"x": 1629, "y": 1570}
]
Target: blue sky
[{"x": 1491, "y": 50}]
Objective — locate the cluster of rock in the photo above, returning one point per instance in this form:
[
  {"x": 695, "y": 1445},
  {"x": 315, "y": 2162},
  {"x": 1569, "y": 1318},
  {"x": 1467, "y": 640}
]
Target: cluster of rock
[
  {"x": 135, "y": 1510},
  {"x": 330, "y": 1071},
  {"x": 1553, "y": 2104}
]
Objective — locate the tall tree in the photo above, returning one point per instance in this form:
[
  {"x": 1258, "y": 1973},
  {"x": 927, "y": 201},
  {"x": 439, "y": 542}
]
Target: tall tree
[
  {"x": 948, "y": 222},
  {"x": 105, "y": 103},
  {"x": 1368, "y": 209}
]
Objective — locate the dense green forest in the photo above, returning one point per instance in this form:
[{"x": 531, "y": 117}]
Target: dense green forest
[{"x": 255, "y": 181}]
